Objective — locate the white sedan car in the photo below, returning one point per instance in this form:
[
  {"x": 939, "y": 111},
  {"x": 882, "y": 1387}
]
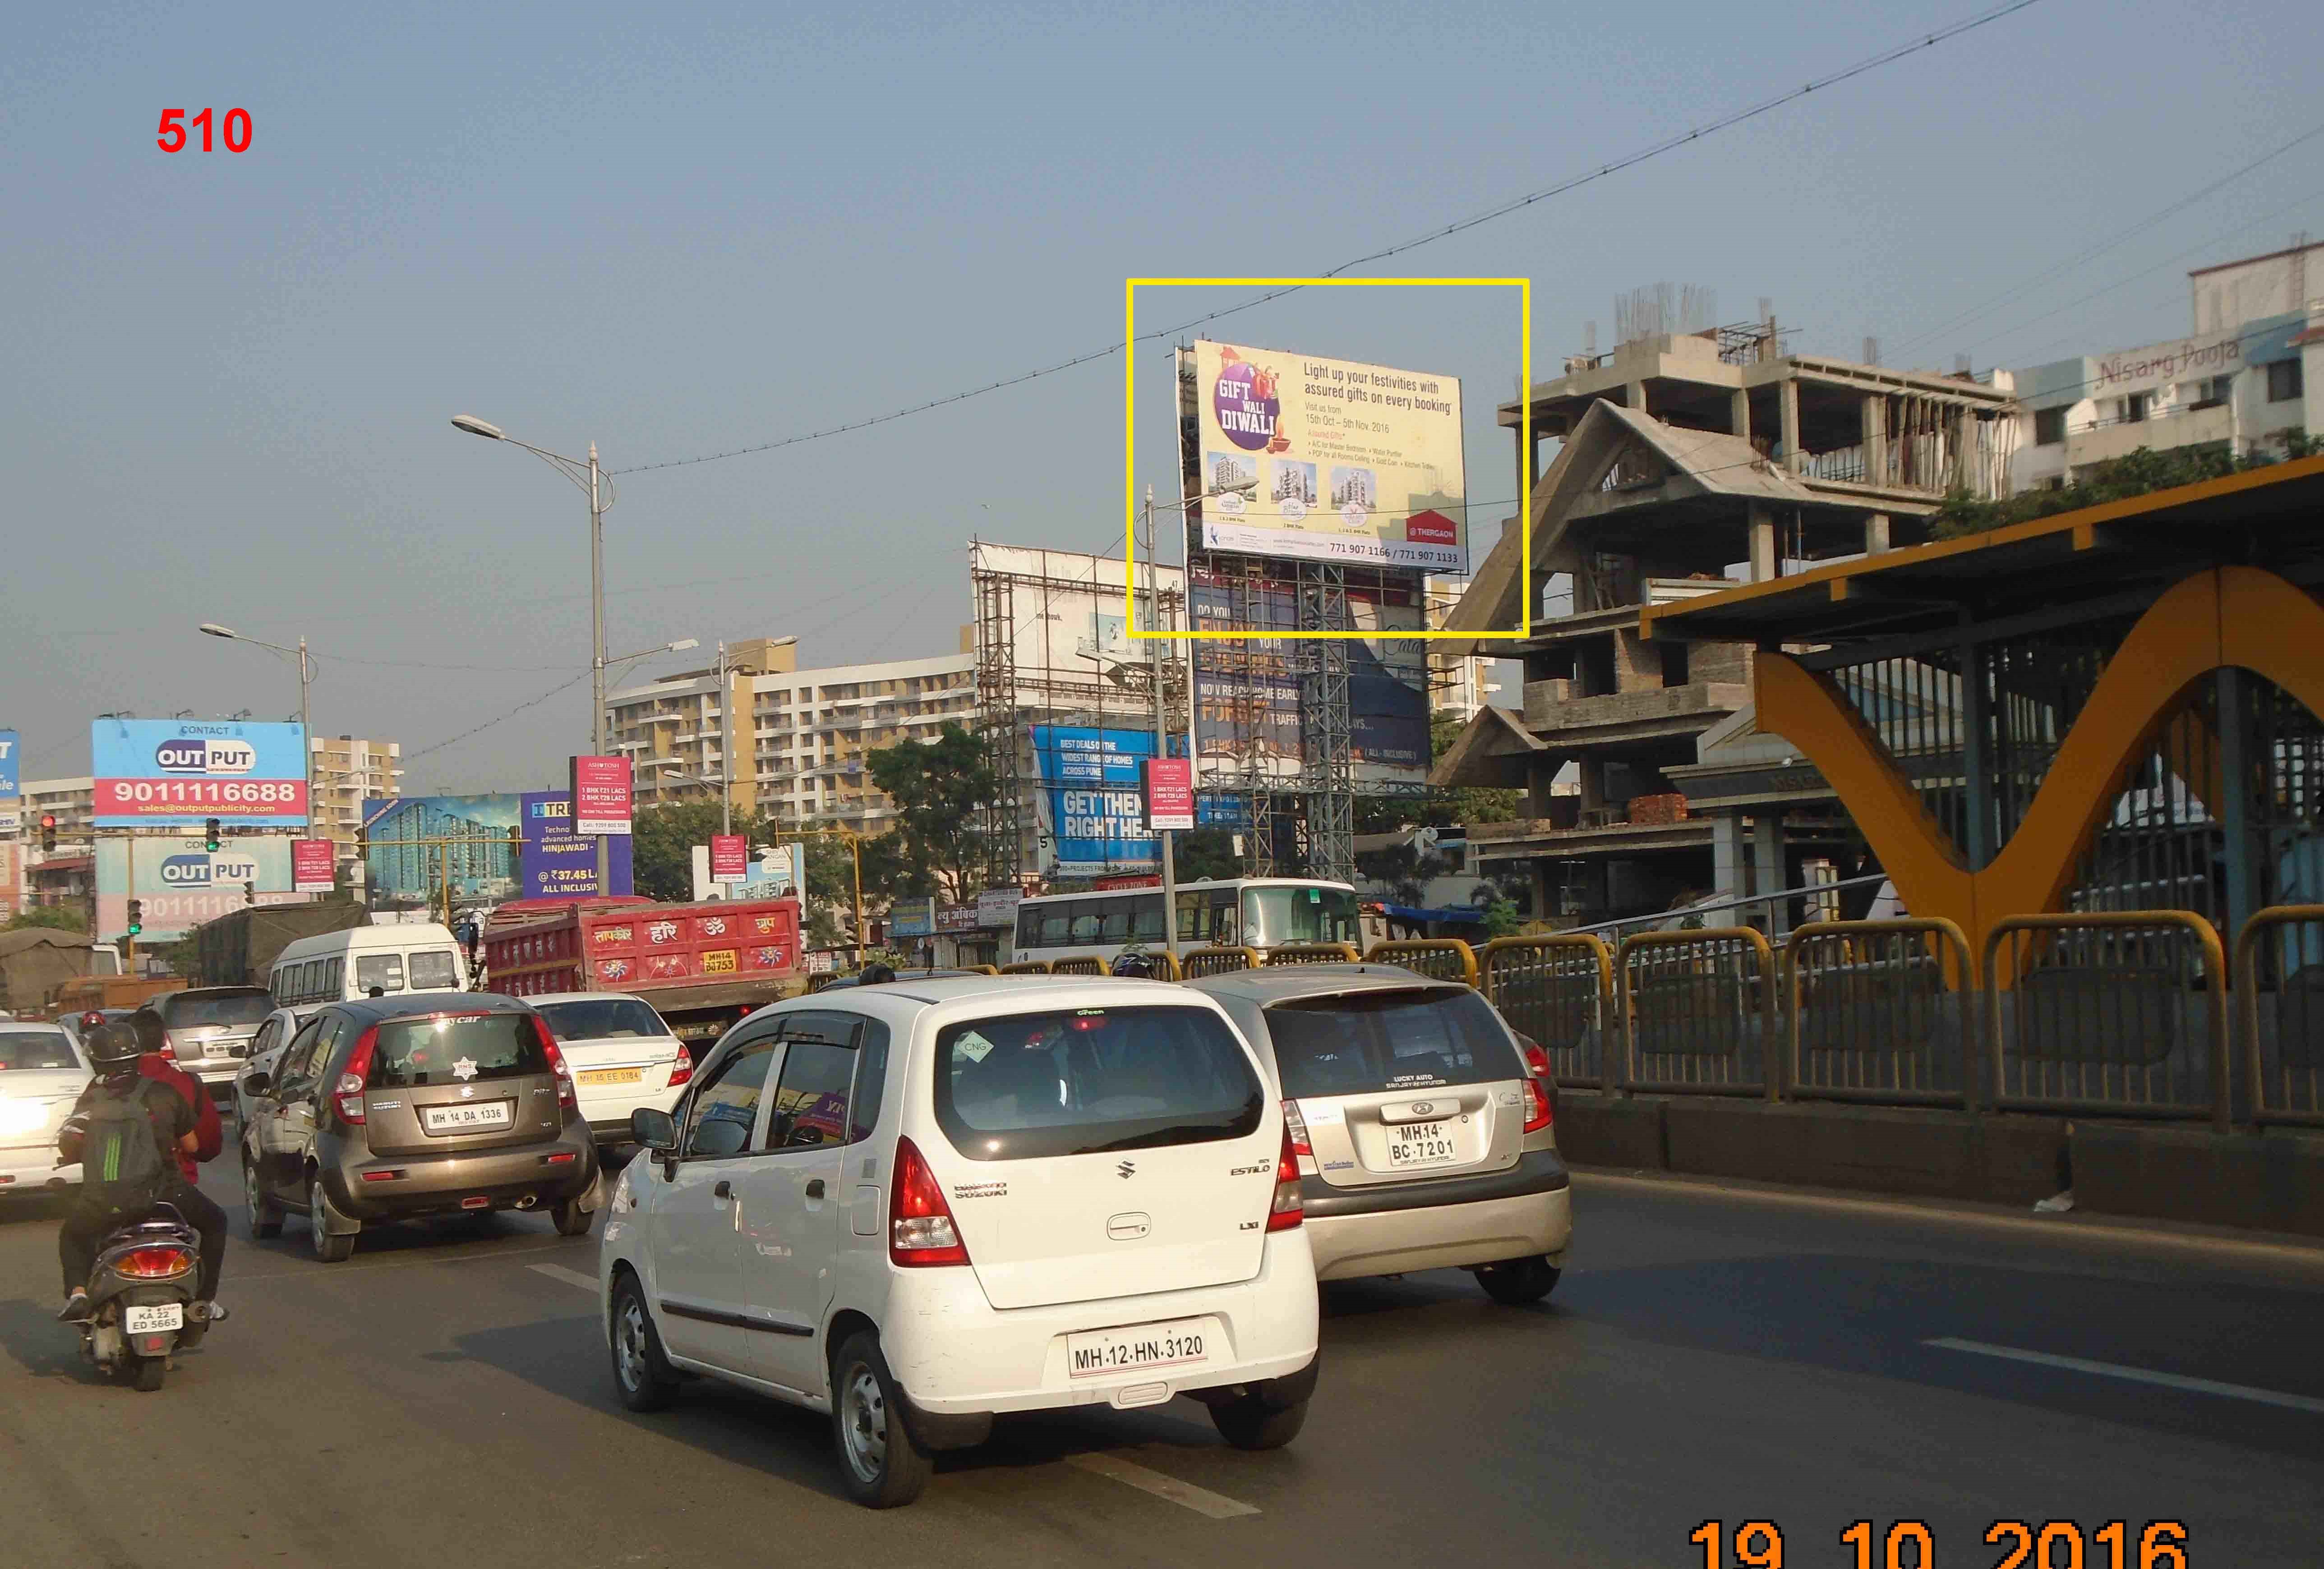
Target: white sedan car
[
  {"x": 41, "y": 1073},
  {"x": 622, "y": 1054}
]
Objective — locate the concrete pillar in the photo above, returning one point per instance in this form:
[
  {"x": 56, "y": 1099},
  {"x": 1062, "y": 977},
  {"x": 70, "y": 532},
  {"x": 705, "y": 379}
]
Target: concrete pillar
[
  {"x": 1635, "y": 395},
  {"x": 1876, "y": 438},
  {"x": 1762, "y": 544},
  {"x": 1875, "y": 533},
  {"x": 1965, "y": 450},
  {"x": 1739, "y": 413},
  {"x": 1768, "y": 876},
  {"x": 1543, "y": 907},
  {"x": 1727, "y": 865},
  {"x": 1788, "y": 389}
]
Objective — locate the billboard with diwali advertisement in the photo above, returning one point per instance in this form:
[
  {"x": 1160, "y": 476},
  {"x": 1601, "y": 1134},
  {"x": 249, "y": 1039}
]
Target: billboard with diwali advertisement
[{"x": 1328, "y": 460}]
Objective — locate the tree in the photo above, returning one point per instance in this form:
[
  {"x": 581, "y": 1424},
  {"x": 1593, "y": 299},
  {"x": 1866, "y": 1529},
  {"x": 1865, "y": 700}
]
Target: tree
[
  {"x": 1204, "y": 852},
  {"x": 50, "y": 917},
  {"x": 662, "y": 841},
  {"x": 1440, "y": 807},
  {"x": 2135, "y": 474},
  {"x": 940, "y": 788}
]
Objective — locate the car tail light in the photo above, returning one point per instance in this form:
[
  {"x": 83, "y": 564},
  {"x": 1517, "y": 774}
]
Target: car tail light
[
  {"x": 565, "y": 1093},
  {"x": 348, "y": 1094},
  {"x": 920, "y": 1232},
  {"x": 681, "y": 1071},
  {"x": 1540, "y": 1088},
  {"x": 1295, "y": 1128},
  {"x": 154, "y": 1263},
  {"x": 1285, "y": 1211}
]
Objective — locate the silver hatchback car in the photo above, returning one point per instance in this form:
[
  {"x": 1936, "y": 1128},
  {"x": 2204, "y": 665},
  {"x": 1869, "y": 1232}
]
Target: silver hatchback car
[{"x": 1424, "y": 1136}]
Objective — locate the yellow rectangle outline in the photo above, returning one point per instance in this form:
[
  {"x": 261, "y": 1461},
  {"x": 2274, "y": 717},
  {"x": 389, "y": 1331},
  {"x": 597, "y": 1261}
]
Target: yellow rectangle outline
[{"x": 1524, "y": 285}]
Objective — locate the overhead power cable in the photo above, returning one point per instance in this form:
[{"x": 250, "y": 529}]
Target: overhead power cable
[
  {"x": 497, "y": 718},
  {"x": 1517, "y": 203}
]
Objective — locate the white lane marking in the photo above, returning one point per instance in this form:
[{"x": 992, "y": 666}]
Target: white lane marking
[
  {"x": 570, "y": 1277},
  {"x": 2137, "y": 1375},
  {"x": 1202, "y": 1501}
]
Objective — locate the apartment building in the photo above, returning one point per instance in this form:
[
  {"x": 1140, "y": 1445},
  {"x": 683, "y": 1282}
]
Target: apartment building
[
  {"x": 799, "y": 736},
  {"x": 68, "y": 874},
  {"x": 1687, "y": 461},
  {"x": 346, "y": 770},
  {"x": 2237, "y": 381}
]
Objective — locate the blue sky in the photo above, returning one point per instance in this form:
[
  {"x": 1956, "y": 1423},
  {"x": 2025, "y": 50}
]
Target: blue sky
[{"x": 681, "y": 229}]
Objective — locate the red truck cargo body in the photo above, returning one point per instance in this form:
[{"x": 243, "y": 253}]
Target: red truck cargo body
[{"x": 646, "y": 947}]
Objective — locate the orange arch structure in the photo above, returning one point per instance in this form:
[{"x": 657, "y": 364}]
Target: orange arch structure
[{"x": 2224, "y": 615}]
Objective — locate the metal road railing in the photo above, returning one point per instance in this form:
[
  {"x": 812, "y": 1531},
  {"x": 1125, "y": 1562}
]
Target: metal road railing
[
  {"x": 1026, "y": 966},
  {"x": 1201, "y": 961},
  {"x": 1771, "y": 912},
  {"x": 1440, "y": 957},
  {"x": 2121, "y": 1012},
  {"x": 1081, "y": 964},
  {"x": 2280, "y": 980},
  {"x": 1699, "y": 1011},
  {"x": 1558, "y": 991},
  {"x": 1881, "y": 1011},
  {"x": 1314, "y": 953}
]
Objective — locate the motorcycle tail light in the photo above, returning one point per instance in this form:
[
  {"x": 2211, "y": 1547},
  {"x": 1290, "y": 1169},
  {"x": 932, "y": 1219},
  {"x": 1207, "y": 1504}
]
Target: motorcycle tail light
[{"x": 154, "y": 1263}]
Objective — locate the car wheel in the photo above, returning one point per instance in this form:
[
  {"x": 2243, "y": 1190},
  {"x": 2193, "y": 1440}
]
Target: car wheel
[
  {"x": 328, "y": 1247},
  {"x": 150, "y": 1370},
  {"x": 1246, "y": 1422},
  {"x": 880, "y": 1464},
  {"x": 642, "y": 1375},
  {"x": 266, "y": 1215},
  {"x": 1514, "y": 1283},
  {"x": 570, "y": 1218}
]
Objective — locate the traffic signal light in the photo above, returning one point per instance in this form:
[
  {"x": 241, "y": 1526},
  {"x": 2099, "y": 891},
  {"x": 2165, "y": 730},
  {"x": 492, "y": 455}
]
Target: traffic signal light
[
  {"x": 137, "y": 916},
  {"x": 210, "y": 834},
  {"x": 48, "y": 830}
]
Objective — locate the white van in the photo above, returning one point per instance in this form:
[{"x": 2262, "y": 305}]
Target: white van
[
  {"x": 342, "y": 967},
  {"x": 919, "y": 1204}
]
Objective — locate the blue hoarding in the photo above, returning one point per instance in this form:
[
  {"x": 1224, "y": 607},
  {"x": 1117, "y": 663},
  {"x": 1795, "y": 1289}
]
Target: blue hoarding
[
  {"x": 559, "y": 864},
  {"x": 403, "y": 859},
  {"x": 9, "y": 771},
  {"x": 154, "y": 772},
  {"x": 1092, "y": 811}
]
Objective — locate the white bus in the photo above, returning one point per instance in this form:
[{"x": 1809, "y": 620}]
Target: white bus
[
  {"x": 1245, "y": 911},
  {"x": 339, "y": 966}
]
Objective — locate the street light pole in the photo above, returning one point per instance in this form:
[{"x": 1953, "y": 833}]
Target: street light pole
[
  {"x": 597, "y": 646},
  {"x": 306, "y": 678},
  {"x": 1161, "y": 730}
]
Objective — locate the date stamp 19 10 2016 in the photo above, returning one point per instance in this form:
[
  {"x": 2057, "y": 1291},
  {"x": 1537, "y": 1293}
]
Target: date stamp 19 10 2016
[
  {"x": 176, "y": 132},
  {"x": 1910, "y": 1545}
]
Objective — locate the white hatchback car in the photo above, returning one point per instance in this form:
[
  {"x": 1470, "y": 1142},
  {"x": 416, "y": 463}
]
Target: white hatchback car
[
  {"x": 621, "y": 1053},
  {"x": 919, "y": 1204},
  {"x": 43, "y": 1071}
]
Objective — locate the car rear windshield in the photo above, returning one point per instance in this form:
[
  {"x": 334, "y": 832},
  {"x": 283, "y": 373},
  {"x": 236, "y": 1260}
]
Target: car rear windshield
[
  {"x": 1081, "y": 1080},
  {"x": 30, "y": 1049},
  {"x": 411, "y": 1054},
  {"x": 602, "y": 1019},
  {"x": 187, "y": 1009},
  {"x": 1370, "y": 1043}
]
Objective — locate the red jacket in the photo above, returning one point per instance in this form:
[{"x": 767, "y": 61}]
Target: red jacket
[{"x": 208, "y": 1135}]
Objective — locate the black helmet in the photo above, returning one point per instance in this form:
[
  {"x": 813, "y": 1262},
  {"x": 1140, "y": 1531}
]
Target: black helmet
[
  {"x": 151, "y": 1035},
  {"x": 875, "y": 974},
  {"x": 1135, "y": 966},
  {"x": 114, "y": 1049}
]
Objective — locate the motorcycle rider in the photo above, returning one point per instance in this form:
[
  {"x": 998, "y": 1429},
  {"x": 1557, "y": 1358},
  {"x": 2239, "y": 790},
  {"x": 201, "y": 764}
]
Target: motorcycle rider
[
  {"x": 160, "y": 1063},
  {"x": 115, "y": 1053}
]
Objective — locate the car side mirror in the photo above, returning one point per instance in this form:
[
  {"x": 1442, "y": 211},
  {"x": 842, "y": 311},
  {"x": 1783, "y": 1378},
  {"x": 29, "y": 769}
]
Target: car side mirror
[
  {"x": 257, "y": 1083},
  {"x": 653, "y": 1128}
]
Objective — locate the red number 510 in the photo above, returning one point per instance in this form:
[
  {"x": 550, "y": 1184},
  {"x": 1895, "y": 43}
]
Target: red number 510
[{"x": 235, "y": 127}]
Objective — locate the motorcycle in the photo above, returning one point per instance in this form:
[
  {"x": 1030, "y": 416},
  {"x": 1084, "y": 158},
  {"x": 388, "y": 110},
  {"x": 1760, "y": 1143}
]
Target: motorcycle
[{"x": 139, "y": 1295}]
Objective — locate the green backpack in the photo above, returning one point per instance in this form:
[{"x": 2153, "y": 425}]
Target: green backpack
[{"x": 123, "y": 1170}]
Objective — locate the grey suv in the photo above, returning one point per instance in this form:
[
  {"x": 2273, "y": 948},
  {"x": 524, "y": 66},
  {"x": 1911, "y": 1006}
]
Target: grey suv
[
  {"x": 1424, "y": 1137},
  {"x": 427, "y": 1103}
]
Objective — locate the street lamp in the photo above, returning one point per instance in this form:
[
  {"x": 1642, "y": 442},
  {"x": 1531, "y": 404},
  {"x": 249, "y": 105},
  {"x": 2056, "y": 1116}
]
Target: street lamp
[
  {"x": 588, "y": 477},
  {"x": 306, "y": 675}
]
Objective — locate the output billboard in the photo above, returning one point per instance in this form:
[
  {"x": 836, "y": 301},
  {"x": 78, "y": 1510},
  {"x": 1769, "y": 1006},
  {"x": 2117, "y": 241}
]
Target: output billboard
[
  {"x": 181, "y": 883},
  {"x": 1329, "y": 460},
  {"x": 155, "y": 772}
]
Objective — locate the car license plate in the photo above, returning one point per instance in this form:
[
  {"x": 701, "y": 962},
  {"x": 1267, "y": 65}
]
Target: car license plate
[
  {"x": 153, "y": 1320},
  {"x": 1180, "y": 1342},
  {"x": 467, "y": 1118},
  {"x": 1411, "y": 1144},
  {"x": 610, "y": 1076}
]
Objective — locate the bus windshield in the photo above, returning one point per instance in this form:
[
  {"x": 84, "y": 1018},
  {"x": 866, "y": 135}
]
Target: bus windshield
[{"x": 1274, "y": 916}]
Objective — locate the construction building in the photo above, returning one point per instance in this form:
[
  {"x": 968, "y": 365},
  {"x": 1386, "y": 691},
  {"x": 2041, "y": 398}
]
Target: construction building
[
  {"x": 1687, "y": 461},
  {"x": 348, "y": 770}
]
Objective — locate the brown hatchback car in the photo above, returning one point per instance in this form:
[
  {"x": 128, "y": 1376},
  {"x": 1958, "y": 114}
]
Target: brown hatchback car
[{"x": 400, "y": 1108}]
